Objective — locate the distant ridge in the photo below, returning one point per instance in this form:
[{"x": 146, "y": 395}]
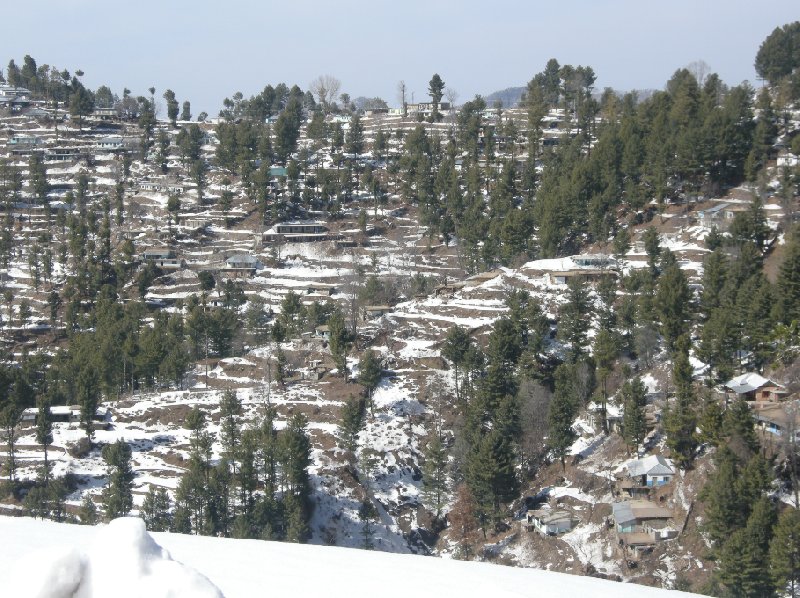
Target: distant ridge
[{"x": 509, "y": 96}]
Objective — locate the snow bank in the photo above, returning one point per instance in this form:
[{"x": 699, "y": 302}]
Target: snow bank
[{"x": 123, "y": 561}]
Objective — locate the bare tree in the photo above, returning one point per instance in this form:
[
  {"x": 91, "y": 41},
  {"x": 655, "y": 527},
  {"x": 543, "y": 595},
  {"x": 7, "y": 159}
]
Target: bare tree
[
  {"x": 700, "y": 69},
  {"x": 534, "y": 404},
  {"x": 401, "y": 95},
  {"x": 452, "y": 96},
  {"x": 326, "y": 88}
]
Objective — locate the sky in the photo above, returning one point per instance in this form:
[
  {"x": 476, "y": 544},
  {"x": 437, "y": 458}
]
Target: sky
[{"x": 205, "y": 51}]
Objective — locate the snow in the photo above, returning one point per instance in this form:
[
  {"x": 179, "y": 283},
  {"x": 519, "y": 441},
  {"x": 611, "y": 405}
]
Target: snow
[{"x": 122, "y": 560}]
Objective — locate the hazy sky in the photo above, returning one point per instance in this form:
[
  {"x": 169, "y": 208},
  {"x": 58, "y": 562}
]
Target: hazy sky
[{"x": 207, "y": 50}]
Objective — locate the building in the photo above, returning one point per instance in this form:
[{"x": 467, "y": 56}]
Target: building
[
  {"x": 548, "y": 522},
  {"x": 640, "y": 524},
  {"x": 24, "y": 140},
  {"x": 69, "y": 414},
  {"x": 298, "y": 232},
  {"x": 163, "y": 257},
  {"x": 653, "y": 470},
  {"x": 241, "y": 265},
  {"x": 779, "y": 419},
  {"x": 370, "y": 312},
  {"x": 754, "y": 387}
]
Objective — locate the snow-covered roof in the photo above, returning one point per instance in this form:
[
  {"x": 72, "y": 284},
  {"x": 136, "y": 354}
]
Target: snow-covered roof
[
  {"x": 748, "y": 383},
  {"x": 650, "y": 465}
]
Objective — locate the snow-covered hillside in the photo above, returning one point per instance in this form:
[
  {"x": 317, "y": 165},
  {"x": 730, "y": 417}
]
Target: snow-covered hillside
[{"x": 37, "y": 556}]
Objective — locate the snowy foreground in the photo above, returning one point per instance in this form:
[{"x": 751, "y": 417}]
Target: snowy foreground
[{"x": 46, "y": 559}]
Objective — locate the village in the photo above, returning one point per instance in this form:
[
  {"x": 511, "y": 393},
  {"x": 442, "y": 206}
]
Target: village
[{"x": 401, "y": 286}]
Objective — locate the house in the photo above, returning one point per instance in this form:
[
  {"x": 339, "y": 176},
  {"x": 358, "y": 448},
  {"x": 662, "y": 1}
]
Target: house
[
  {"x": 370, "y": 312},
  {"x": 448, "y": 290},
  {"x": 548, "y": 522},
  {"x": 111, "y": 142},
  {"x": 640, "y": 524},
  {"x": 653, "y": 470},
  {"x": 632, "y": 516},
  {"x": 63, "y": 414},
  {"x": 787, "y": 160},
  {"x": 163, "y": 257},
  {"x": 298, "y": 232},
  {"x": 753, "y": 387},
  {"x": 778, "y": 419},
  {"x": 241, "y": 265},
  {"x": 323, "y": 331},
  {"x": 316, "y": 288},
  {"x": 104, "y": 113},
  {"x": 711, "y": 216},
  {"x": 24, "y": 140}
]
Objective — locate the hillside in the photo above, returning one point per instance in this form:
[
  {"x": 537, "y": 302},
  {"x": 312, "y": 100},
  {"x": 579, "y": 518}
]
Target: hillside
[{"x": 564, "y": 336}]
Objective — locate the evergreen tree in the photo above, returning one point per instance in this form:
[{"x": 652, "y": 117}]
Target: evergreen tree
[
  {"x": 742, "y": 571},
  {"x": 680, "y": 421},
  {"x": 738, "y": 424},
  {"x": 562, "y": 413},
  {"x": 367, "y": 514},
  {"x": 155, "y": 510},
  {"x": 88, "y": 510},
  {"x": 434, "y": 474},
  {"x": 788, "y": 283},
  {"x": 633, "y": 396},
  {"x": 784, "y": 553},
  {"x": 351, "y": 423},
  {"x": 575, "y": 318},
  {"x": 172, "y": 106},
  {"x": 44, "y": 431},
  {"x": 118, "y": 495},
  {"x": 672, "y": 303},
  {"x": 455, "y": 349},
  {"x": 339, "y": 341},
  {"x": 369, "y": 375}
]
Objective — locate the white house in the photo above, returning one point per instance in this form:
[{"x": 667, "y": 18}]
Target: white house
[
  {"x": 653, "y": 470},
  {"x": 549, "y": 522}
]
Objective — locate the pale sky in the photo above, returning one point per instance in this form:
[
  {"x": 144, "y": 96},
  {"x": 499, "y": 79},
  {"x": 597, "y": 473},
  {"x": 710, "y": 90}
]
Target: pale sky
[{"x": 207, "y": 50}]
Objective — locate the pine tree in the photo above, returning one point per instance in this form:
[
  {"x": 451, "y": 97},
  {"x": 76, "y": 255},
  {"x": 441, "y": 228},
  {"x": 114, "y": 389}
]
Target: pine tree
[
  {"x": 88, "y": 510},
  {"x": 155, "y": 510},
  {"x": 434, "y": 474},
  {"x": 339, "y": 341},
  {"x": 605, "y": 353},
  {"x": 369, "y": 376},
  {"x": 575, "y": 318},
  {"x": 680, "y": 421},
  {"x": 788, "y": 283},
  {"x": 671, "y": 303},
  {"x": 454, "y": 349},
  {"x": 367, "y": 514},
  {"x": 230, "y": 410},
  {"x": 118, "y": 495},
  {"x": 784, "y": 553},
  {"x": 724, "y": 508},
  {"x": 633, "y": 396},
  {"x": 711, "y": 421},
  {"x": 352, "y": 422},
  {"x": 738, "y": 423},
  {"x": 44, "y": 431},
  {"x": 561, "y": 416},
  {"x": 742, "y": 569}
]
